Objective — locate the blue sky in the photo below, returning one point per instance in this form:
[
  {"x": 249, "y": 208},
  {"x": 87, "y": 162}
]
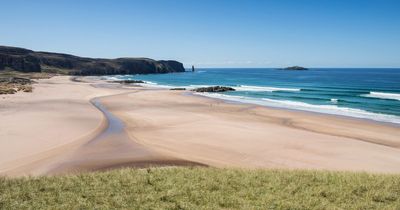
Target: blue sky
[{"x": 212, "y": 33}]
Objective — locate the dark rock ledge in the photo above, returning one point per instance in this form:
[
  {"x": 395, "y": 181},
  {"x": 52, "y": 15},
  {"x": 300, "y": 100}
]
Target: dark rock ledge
[{"x": 213, "y": 89}]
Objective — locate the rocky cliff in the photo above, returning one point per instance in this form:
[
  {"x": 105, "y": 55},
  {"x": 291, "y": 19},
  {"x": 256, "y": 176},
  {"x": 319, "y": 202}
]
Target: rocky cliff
[{"x": 25, "y": 60}]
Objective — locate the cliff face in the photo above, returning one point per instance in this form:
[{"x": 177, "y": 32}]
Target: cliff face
[{"x": 24, "y": 60}]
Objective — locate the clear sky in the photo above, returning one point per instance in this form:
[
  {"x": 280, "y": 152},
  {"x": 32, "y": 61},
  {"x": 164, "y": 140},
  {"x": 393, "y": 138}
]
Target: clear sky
[{"x": 212, "y": 33}]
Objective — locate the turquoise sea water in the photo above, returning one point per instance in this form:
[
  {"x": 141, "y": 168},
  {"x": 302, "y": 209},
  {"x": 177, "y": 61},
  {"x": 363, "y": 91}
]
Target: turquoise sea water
[{"x": 363, "y": 93}]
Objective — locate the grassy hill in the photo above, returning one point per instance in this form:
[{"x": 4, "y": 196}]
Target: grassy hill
[{"x": 203, "y": 188}]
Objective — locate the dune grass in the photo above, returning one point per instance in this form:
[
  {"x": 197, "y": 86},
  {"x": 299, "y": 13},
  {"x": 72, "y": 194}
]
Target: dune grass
[{"x": 203, "y": 188}]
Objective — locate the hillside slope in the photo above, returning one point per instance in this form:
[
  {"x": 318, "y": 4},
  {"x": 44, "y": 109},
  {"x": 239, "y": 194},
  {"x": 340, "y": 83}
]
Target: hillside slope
[{"x": 24, "y": 60}]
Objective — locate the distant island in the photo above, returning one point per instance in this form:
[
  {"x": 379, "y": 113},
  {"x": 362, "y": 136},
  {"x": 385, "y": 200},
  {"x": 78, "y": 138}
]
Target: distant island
[
  {"x": 295, "y": 68},
  {"x": 24, "y": 60}
]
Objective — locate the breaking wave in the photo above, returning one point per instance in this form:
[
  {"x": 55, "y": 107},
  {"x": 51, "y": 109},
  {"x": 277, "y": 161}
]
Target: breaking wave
[
  {"x": 263, "y": 88},
  {"x": 394, "y": 96}
]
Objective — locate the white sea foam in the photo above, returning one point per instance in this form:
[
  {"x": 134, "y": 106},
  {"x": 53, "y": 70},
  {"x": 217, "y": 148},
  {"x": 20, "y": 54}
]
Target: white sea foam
[
  {"x": 156, "y": 85},
  {"x": 394, "y": 96},
  {"x": 263, "y": 88},
  {"x": 197, "y": 86},
  {"x": 326, "y": 109},
  {"x": 150, "y": 83},
  {"x": 115, "y": 77},
  {"x": 334, "y": 100},
  {"x": 145, "y": 84}
]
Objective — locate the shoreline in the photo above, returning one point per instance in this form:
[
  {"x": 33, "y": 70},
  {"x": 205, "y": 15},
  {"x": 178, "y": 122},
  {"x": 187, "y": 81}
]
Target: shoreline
[
  {"x": 309, "y": 111},
  {"x": 298, "y": 110},
  {"x": 150, "y": 137},
  {"x": 179, "y": 125},
  {"x": 334, "y": 116},
  {"x": 257, "y": 101}
]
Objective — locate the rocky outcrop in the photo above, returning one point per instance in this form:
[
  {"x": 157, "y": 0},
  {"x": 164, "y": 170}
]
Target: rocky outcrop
[
  {"x": 213, "y": 89},
  {"x": 177, "y": 89},
  {"x": 127, "y": 81},
  {"x": 25, "y": 60},
  {"x": 295, "y": 68}
]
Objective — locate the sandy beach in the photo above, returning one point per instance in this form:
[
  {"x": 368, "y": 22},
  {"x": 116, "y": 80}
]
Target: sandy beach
[{"x": 56, "y": 129}]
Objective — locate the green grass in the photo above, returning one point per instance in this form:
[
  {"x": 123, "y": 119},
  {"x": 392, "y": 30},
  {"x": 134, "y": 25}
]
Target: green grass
[
  {"x": 11, "y": 88},
  {"x": 203, "y": 188},
  {"x": 29, "y": 75}
]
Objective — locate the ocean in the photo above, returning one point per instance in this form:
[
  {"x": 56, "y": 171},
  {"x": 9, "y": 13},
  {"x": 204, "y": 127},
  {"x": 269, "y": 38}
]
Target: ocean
[{"x": 372, "y": 94}]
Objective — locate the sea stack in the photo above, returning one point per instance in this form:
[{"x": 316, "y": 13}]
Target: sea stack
[{"x": 192, "y": 68}]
